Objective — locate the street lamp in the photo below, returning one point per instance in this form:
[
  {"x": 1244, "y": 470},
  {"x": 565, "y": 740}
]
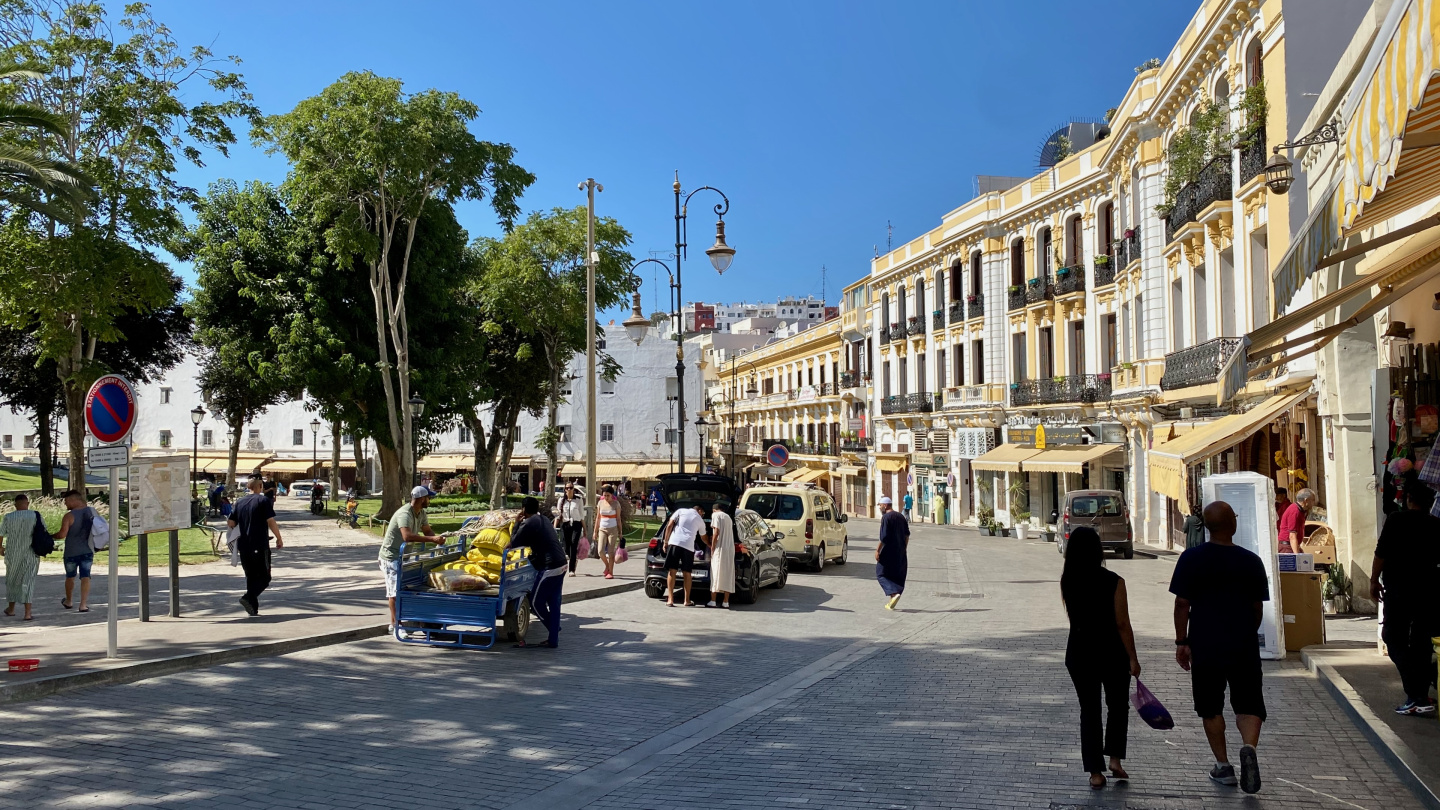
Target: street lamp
[
  {"x": 658, "y": 426},
  {"x": 503, "y": 432},
  {"x": 721, "y": 255},
  {"x": 700, "y": 425},
  {"x": 1279, "y": 174},
  {"x": 734, "y": 395},
  {"x": 417, "y": 407},
  {"x": 196, "y": 417},
  {"x": 315, "y": 450},
  {"x": 637, "y": 326}
]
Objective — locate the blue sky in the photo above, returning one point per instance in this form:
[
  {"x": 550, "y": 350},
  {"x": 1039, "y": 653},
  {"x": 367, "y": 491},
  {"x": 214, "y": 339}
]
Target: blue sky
[{"x": 820, "y": 121}]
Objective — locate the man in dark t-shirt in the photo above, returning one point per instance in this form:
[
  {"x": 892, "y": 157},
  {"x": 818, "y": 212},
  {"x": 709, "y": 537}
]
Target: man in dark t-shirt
[
  {"x": 1408, "y": 556},
  {"x": 254, "y": 516},
  {"x": 548, "y": 558},
  {"x": 1219, "y": 588}
]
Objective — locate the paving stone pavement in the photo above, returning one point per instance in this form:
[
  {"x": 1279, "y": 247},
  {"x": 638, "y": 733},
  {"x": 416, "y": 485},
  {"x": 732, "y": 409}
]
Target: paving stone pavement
[{"x": 815, "y": 697}]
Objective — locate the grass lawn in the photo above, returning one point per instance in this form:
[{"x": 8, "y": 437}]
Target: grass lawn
[
  {"x": 12, "y": 480},
  {"x": 194, "y": 548}
]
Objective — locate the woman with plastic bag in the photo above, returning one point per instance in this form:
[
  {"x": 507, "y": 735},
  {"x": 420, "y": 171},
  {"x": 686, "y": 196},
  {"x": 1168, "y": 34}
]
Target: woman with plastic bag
[{"x": 1100, "y": 653}]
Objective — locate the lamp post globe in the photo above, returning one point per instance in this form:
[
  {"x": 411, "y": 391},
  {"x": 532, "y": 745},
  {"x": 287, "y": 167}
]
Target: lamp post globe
[
  {"x": 721, "y": 254},
  {"x": 1279, "y": 174},
  {"x": 196, "y": 417},
  {"x": 637, "y": 326},
  {"x": 417, "y": 406}
]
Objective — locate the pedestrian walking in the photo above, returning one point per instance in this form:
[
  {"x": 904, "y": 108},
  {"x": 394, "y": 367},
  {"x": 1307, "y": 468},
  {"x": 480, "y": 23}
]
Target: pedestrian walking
[
  {"x": 1099, "y": 654},
  {"x": 1292, "y": 521},
  {"x": 891, "y": 560},
  {"x": 1403, "y": 576},
  {"x": 79, "y": 554},
  {"x": 909, "y": 501},
  {"x": 254, "y": 515},
  {"x": 654, "y": 501},
  {"x": 21, "y": 564},
  {"x": 570, "y": 520},
  {"x": 684, "y": 528},
  {"x": 611, "y": 528},
  {"x": 409, "y": 525},
  {"x": 1219, "y": 588},
  {"x": 548, "y": 558},
  {"x": 722, "y": 553}
]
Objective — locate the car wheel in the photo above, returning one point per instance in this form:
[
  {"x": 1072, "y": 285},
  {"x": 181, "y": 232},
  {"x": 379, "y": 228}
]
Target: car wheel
[
  {"x": 517, "y": 618},
  {"x": 654, "y": 590},
  {"x": 784, "y": 576},
  {"x": 819, "y": 563},
  {"x": 750, "y": 594},
  {"x": 1130, "y": 552},
  {"x": 844, "y": 551}
]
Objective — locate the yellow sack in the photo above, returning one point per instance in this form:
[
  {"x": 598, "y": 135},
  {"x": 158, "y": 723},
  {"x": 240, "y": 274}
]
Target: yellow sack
[
  {"x": 473, "y": 555},
  {"x": 492, "y": 537}
]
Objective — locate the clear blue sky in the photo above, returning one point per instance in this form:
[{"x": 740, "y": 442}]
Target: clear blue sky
[{"x": 821, "y": 121}]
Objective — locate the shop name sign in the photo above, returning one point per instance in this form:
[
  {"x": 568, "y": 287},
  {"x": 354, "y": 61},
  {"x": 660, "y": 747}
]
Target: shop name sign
[{"x": 1053, "y": 435}]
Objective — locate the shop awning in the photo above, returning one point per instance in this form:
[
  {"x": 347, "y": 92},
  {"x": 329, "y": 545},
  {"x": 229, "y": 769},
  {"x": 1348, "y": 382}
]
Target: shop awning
[
  {"x": 1069, "y": 458},
  {"x": 1169, "y": 461},
  {"x": 1005, "y": 458},
  {"x": 848, "y": 470},
  {"x": 283, "y": 466},
  {"x": 445, "y": 463},
  {"x": 649, "y": 470},
  {"x": 1319, "y": 233},
  {"x": 890, "y": 464},
  {"x": 812, "y": 476},
  {"x": 795, "y": 475},
  {"x": 244, "y": 463}
]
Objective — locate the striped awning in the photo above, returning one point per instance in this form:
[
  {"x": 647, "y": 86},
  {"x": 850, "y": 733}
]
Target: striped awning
[
  {"x": 287, "y": 466},
  {"x": 1005, "y": 458},
  {"x": 442, "y": 463},
  {"x": 1318, "y": 235},
  {"x": 1069, "y": 458}
]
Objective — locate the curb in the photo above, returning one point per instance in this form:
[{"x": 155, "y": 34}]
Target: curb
[
  {"x": 1391, "y": 747},
  {"x": 144, "y": 670}
]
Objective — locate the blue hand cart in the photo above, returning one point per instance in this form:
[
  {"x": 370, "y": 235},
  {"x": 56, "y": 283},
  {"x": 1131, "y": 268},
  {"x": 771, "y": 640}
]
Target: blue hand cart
[{"x": 469, "y": 620}]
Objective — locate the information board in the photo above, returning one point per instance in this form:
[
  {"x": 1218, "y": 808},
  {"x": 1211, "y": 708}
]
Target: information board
[{"x": 159, "y": 494}]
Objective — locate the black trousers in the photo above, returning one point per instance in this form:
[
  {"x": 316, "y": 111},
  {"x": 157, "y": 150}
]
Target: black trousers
[
  {"x": 256, "y": 564},
  {"x": 1089, "y": 681},
  {"x": 570, "y": 536},
  {"x": 1407, "y": 633}
]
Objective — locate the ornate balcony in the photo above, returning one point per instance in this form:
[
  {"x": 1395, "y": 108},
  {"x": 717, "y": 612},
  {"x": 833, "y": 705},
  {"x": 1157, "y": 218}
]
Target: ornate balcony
[
  {"x": 1127, "y": 250},
  {"x": 957, "y": 311},
  {"x": 884, "y": 335},
  {"x": 975, "y": 305},
  {"x": 892, "y": 405},
  {"x": 1084, "y": 388},
  {"x": 916, "y": 326},
  {"x": 1211, "y": 185},
  {"x": 1199, "y": 364},
  {"x": 897, "y": 333},
  {"x": 1252, "y": 157},
  {"x": 855, "y": 445},
  {"x": 1070, "y": 279},
  {"x": 827, "y": 389},
  {"x": 849, "y": 379},
  {"x": 1039, "y": 289},
  {"x": 937, "y": 319},
  {"x": 919, "y": 403},
  {"x": 1016, "y": 297},
  {"x": 1104, "y": 271}
]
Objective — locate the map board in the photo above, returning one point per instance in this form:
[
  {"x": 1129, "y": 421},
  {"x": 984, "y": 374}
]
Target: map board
[{"x": 159, "y": 494}]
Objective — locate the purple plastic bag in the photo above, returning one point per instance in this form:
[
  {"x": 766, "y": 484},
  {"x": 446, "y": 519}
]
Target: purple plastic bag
[
  {"x": 621, "y": 555},
  {"x": 1149, "y": 708},
  {"x": 583, "y": 551}
]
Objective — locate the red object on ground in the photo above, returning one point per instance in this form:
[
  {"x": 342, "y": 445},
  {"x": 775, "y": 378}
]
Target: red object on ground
[{"x": 24, "y": 664}]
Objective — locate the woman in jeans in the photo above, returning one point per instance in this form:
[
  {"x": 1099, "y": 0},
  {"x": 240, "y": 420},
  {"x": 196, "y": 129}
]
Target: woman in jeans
[
  {"x": 1100, "y": 653},
  {"x": 570, "y": 520}
]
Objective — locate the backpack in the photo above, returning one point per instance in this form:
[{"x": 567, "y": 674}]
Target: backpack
[
  {"x": 41, "y": 542},
  {"x": 99, "y": 532}
]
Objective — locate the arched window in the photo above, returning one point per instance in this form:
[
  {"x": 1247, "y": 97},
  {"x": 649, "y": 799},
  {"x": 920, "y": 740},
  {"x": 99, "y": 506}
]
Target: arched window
[
  {"x": 1107, "y": 229},
  {"x": 900, "y": 307},
  {"x": 975, "y": 273},
  {"x": 957, "y": 280},
  {"x": 1254, "y": 63},
  {"x": 1017, "y": 262},
  {"x": 1043, "y": 260},
  {"x": 885, "y": 314},
  {"x": 1073, "y": 250},
  {"x": 1222, "y": 91},
  {"x": 920, "y": 299}
]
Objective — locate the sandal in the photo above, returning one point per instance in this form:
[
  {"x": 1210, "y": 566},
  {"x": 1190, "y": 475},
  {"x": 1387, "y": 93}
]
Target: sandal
[
  {"x": 10, "y": 612},
  {"x": 67, "y": 607},
  {"x": 1097, "y": 785},
  {"x": 83, "y": 610},
  {"x": 1120, "y": 774}
]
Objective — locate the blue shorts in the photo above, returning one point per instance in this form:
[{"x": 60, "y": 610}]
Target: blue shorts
[{"x": 80, "y": 563}]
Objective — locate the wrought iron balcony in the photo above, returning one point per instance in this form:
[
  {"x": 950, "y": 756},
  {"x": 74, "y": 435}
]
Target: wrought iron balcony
[
  {"x": 897, "y": 333},
  {"x": 892, "y": 405},
  {"x": 916, "y": 326},
  {"x": 975, "y": 305},
  {"x": 1252, "y": 156},
  {"x": 1070, "y": 279},
  {"x": 1127, "y": 250},
  {"x": 919, "y": 403},
  {"x": 855, "y": 445},
  {"x": 1199, "y": 364},
  {"x": 957, "y": 311},
  {"x": 849, "y": 379},
  {"x": 1083, "y": 388},
  {"x": 1039, "y": 289},
  {"x": 1211, "y": 185},
  {"x": 884, "y": 335},
  {"x": 1017, "y": 297},
  {"x": 827, "y": 389},
  {"x": 1104, "y": 271},
  {"x": 937, "y": 319}
]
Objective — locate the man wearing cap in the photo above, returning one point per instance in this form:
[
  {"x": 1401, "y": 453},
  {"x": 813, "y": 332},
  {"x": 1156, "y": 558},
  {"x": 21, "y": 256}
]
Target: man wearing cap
[
  {"x": 548, "y": 559},
  {"x": 409, "y": 524},
  {"x": 891, "y": 561}
]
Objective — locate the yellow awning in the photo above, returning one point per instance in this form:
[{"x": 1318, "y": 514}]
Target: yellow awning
[
  {"x": 649, "y": 470},
  {"x": 1169, "y": 461},
  {"x": 890, "y": 464},
  {"x": 284, "y": 466},
  {"x": 1005, "y": 458},
  {"x": 244, "y": 462},
  {"x": 795, "y": 474},
  {"x": 848, "y": 470},
  {"x": 813, "y": 475},
  {"x": 615, "y": 469},
  {"x": 572, "y": 469},
  {"x": 444, "y": 463},
  {"x": 1069, "y": 458}
]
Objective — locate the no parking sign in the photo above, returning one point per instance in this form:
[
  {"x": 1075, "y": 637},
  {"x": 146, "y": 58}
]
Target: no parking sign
[{"x": 110, "y": 409}]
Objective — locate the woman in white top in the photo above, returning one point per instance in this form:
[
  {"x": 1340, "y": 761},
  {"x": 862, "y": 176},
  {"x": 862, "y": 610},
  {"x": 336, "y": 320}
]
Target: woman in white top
[
  {"x": 570, "y": 520},
  {"x": 610, "y": 528},
  {"x": 722, "y": 553}
]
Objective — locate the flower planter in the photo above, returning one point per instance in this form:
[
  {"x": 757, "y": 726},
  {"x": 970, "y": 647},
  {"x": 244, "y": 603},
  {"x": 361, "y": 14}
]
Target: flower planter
[
  {"x": 1004, "y": 532},
  {"x": 1022, "y": 532},
  {"x": 991, "y": 529},
  {"x": 1049, "y": 535}
]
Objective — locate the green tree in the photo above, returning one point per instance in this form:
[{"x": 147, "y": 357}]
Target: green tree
[
  {"x": 29, "y": 179},
  {"x": 537, "y": 272},
  {"x": 242, "y": 246},
  {"x": 368, "y": 161}
]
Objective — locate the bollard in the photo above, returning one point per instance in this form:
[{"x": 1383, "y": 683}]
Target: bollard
[
  {"x": 174, "y": 574},
  {"x": 143, "y": 552}
]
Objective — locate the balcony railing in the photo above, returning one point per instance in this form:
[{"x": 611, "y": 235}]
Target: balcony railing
[
  {"x": 1104, "y": 271},
  {"x": 1127, "y": 250},
  {"x": 1039, "y": 289},
  {"x": 884, "y": 335},
  {"x": 975, "y": 305},
  {"x": 957, "y": 311},
  {"x": 1199, "y": 364},
  {"x": 1016, "y": 297},
  {"x": 1252, "y": 157},
  {"x": 1060, "y": 390},
  {"x": 891, "y": 405},
  {"x": 849, "y": 379},
  {"x": 916, "y": 326},
  {"x": 1070, "y": 279},
  {"x": 961, "y": 396},
  {"x": 827, "y": 389},
  {"x": 810, "y": 448},
  {"x": 897, "y": 333},
  {"x": 937, "y": 319},
  {"x": 919, "y": 403},
  {"x": 855, "y": 445},
  {"x": 1210, "y": 186}
]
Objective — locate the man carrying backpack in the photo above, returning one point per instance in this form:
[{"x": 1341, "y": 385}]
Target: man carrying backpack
[{"x": 79, "y": 554}]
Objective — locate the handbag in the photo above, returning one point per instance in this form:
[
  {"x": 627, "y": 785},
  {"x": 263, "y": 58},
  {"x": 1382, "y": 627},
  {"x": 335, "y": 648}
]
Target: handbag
[
  {"x": 621, "y": 555},
  {"x": 1150, "y": 709},
  {"x": 41, "y": 541}
]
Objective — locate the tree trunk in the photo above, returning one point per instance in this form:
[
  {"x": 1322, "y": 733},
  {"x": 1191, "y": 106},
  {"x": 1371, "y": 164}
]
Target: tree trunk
[
  {"x": 502, "y": 478},
  {"x": 75, "y": 426},
  {"x": 484, "y": 452},
  {"x": 334, "y": 459},
  {"x": 47, "y": 452},
  {"x": 236, "y": 428},
  {"x": 355, "y": 445},
  {"x": 394, "y": 489}
]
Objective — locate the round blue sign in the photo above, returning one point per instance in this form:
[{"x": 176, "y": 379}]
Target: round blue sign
[
  {"x": 110, "y": 409},
  {"x": 777, "y": 455}
]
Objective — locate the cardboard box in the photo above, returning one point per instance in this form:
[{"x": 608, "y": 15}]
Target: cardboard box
[
  {"x": 1297, "y": 563},
  {"x": 1301, "y": 609}
]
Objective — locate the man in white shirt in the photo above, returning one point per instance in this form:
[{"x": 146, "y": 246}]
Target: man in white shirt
[{"x": 685, "y": 528}]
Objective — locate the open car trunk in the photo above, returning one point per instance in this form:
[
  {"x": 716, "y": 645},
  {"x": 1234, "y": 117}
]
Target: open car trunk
[{"x": 681, "y": 490}]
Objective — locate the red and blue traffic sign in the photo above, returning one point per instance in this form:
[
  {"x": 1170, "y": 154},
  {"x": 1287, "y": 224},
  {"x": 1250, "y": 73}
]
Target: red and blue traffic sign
[
  {"x": 110, "y": 409},
  {"x": 777, "y": 455}
]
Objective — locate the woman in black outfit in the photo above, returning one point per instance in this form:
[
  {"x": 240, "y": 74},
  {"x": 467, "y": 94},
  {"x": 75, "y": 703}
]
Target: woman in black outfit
[{"x": 1100, "y": 653}]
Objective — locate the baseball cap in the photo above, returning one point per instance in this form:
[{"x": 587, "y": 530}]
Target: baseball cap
[
  {"x": 885, "y": 500},
  {"x": 421, "y": 492}
]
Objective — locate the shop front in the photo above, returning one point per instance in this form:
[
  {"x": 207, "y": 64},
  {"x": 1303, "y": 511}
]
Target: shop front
[{"x": 969, "y": 444}]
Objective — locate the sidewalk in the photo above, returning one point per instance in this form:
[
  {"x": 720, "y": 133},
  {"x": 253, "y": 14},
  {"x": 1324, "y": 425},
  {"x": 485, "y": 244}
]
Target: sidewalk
[{"x": 327, "y": 589}]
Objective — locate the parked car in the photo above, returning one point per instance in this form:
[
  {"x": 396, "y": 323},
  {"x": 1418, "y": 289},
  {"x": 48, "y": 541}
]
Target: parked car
[
  {"x": 303, "y": 489},
  {"x": 1103, "y": 510},
  {"x": 759, "y": 557},
  {"x": 813, "y": 528}
]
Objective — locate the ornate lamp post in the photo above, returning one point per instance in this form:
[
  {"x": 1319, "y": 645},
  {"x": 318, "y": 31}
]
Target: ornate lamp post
[
  {"x": 196, "y": 417},
  {"x": 659, "y": 426},
  {"x": 315, "y": 450},
  {"x": 700, "y": 425},
  {"x": 417, "y": 407}
]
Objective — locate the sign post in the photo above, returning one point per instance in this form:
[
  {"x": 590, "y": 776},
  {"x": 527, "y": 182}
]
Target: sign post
[
  {"x": 110, "y": 415},
  {"x": 160, "y": 502}
]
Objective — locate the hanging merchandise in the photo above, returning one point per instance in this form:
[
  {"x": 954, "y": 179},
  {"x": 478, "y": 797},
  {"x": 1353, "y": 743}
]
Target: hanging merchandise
[{"x": 1427, "y": 419}]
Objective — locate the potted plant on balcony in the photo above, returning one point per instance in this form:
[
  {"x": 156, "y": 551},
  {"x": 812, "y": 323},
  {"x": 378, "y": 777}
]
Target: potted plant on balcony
[
  {"x": 970, "y": 299},
  {"x": 1014, "y": 288},
  {"x": 1103, "y": 260},
  {"x": 1034, "y": 282}
]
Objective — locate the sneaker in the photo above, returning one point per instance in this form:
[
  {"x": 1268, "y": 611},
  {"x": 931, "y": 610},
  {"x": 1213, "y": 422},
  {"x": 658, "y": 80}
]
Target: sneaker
[
  {"x": 711, "y": 603},
  {"x": 250, "y": 607},
  {"x": 1224, "y": 774},
  {"x": 1426, "y": 708},
  {"x": 1249, "y": 769},
  {"x": 1415, "y": 708}
]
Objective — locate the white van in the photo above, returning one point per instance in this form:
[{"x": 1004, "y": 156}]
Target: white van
[{"x": 812, "y": 527}]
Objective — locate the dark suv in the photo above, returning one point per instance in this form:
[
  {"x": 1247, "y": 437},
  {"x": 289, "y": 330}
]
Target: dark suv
[{"x": 759, "y": 557}]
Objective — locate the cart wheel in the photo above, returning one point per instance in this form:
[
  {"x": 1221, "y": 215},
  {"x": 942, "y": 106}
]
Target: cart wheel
[{"x": 517, "y": 618}]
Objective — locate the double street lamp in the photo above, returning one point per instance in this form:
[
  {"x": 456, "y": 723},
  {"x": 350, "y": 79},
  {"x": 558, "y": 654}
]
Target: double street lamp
[{"x": 196, "y": 417}]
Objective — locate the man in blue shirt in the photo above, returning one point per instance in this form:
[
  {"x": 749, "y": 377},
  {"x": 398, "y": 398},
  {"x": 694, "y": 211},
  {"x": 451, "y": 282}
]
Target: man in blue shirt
[{"x": 548, "y": 558}]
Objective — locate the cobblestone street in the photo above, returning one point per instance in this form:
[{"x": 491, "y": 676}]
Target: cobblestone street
[{"x": 815, "y": 697}]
